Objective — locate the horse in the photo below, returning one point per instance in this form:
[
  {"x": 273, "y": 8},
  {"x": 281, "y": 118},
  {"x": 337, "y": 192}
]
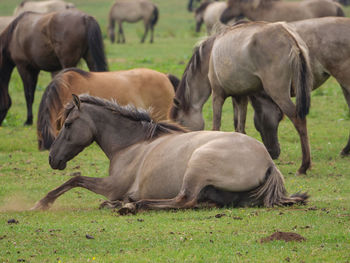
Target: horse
[
  {"x": 143, "y": 88},
  {"x": 42, "y": 6},
  {"x": 209, "y": 13},
  {"x": 273, "y": 11},
  {"x": 5, "y": 21},
  {"x": 34, "y": 42},
  {"x": 158, "y": 165},
  {"x": 243, "y": 60},
  {"x": 328, "y": 40},
  {"x": 132, "y": 11}
]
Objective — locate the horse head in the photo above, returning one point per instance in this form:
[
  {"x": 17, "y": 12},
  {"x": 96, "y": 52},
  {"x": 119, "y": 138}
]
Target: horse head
[
  {"x": 191, "y": 118},
  {"x": 267, "y": 116},
  {"x": 77, "y": 133},
  {"x": 232, "y": 10}
]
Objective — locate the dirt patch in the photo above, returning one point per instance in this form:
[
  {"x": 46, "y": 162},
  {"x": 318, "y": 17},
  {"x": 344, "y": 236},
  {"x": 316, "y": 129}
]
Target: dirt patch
[{"x": 284, "y": 236}]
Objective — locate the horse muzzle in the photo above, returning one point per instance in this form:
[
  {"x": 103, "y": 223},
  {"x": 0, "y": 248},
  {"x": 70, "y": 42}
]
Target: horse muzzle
[{"x": 60, "y": 164}]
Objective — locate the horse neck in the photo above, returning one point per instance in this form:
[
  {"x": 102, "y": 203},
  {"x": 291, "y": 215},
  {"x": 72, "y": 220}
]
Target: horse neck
[
  {"x": 253, "y": 13},
  {"x": 114, "y": 133}
]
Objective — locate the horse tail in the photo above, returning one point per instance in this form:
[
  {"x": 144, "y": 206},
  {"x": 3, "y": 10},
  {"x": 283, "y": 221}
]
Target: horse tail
[
  {"x": 273, "y": 193},
  {"x": 302, "y": 79},
  {"x": 95, "y": 44},
  {"x": 50, "y": 103},
  {"x": 155, "y": 16},
  {"x": 174, "y": 80}
]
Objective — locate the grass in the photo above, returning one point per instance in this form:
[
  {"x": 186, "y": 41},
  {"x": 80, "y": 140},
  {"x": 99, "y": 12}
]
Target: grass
[{"x": 180, "y": 236}]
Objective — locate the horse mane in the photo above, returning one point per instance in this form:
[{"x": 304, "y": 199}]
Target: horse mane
[
  {"x": 154, "y": 129},
  {"x": 182, "y": 92},
  {"x": 202, "y": 7},
  {"x": 51, "y": 102}
]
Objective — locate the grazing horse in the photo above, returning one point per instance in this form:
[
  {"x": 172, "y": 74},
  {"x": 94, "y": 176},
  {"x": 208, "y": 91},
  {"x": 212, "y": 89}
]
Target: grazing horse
[
  {"x": 42, "y": 6},
  {"x": 132, "y": 11},
  {"x": 34, "y": 42},
  {"x": 5, "y": 21},
  {"x": 209, "y": 13},
  {"x": 241, "y": 61},
  {"x": 143, "y": 88},
  {"x": 157, "y": 165},
  {"x": 272, "y": 11},
  {"x": 328, "y": 40}
]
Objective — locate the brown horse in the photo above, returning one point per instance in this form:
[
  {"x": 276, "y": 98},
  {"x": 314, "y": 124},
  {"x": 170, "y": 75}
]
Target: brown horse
[
  {"x": 42, "y": 6},
  {"x": 157, "y": 165},
  {"x": 328, "y": 40},
  {"x": 132, "y": 11},
  {"x": 34, "y": 42},
  {"x": 143, "y": 88},
  {"x": 272, "y": 11},
  {"x": 242, "y": 61}
]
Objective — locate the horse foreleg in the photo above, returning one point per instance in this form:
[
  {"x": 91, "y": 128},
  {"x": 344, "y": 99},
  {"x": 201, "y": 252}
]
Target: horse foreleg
[
  {"x": 120, "y": 33},
  {"x": 145, "y": 33},
  {"x": 5, "y": 99},
  {"x": 29, "y": 78},
  {"x": 96, "y": 185},
  {"x": 218, "y": 101},
  {"x": 240, "y": 105}
]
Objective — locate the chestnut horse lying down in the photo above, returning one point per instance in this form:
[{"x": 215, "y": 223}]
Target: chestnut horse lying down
[
  {"x": 141, "y": 87},
  {"x": 158, "y": 165}
]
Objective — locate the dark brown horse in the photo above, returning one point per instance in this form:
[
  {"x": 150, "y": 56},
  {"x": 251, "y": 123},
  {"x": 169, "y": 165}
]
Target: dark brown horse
[
  {"x": 158, "y": 165},
  {"x": 50, "y": 42}
]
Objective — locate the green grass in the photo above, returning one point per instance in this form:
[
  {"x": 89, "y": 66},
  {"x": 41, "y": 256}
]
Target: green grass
[{"x": 182, "y": 236}]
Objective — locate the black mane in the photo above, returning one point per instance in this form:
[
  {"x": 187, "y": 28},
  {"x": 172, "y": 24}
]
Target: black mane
[
  {"x": 193, "y": 65},
  {"x": 154, "y": 129}
]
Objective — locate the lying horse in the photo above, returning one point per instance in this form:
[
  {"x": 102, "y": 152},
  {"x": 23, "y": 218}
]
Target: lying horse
[
  {"x": 143, "y": 88},
  {"x": 272, "y": 11},
  {"x": 209, "y": 13},
  {"x": 160, "y": 166},
  {"x": 132, "y": 11},
  {"x": 42, "y": 6},
  {"x": 328, "y": 40},
  {"x": 242, "y": 61},
  {"x": 34, "y": 42}
]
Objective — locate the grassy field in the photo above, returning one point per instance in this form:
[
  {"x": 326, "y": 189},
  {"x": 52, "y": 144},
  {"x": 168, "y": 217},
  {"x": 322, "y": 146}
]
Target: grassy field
[{"x": 59, "y": 235}]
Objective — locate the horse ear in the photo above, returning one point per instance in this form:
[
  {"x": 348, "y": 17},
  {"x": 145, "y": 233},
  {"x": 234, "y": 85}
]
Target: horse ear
[
  {"x": 76, "y": 101},
  {"x": 176, "y": 103}
]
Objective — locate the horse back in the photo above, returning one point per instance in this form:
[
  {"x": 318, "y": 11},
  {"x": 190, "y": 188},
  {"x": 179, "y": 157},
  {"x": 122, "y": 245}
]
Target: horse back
[
  {"x": 131, "y": 11},
  {"x": 217, "y": 155},
  {"x": 144, "y": 88}
]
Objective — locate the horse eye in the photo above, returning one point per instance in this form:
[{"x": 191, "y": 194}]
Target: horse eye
[{"x": 67, "y": 124}]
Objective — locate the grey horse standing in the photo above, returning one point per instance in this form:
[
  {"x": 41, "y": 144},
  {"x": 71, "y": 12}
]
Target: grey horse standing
[{"x": 132, "y": 11}]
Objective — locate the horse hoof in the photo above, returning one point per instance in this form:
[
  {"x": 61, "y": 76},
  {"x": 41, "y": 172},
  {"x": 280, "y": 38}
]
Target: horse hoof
[
  {"x": 344, "y": 153},
  {"x": 110, "y": 204},
  {"x": 40, "y": 206},
  {"x": 28, "y": 123},
  {"x": 127, "y": 209}
]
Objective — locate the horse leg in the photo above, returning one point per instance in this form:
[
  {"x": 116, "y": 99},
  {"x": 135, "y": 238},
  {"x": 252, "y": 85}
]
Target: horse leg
[
  {"x": 346, "y": 92},
  {"x": 240, "y": 105},
  {"x": 146, "y": 31},
  {"x": 218, "y": 101},
  {"x": 97, "y": 185},
  {"x": 121, "y": 33},
  {"x": 152, "y": 33},
  {"x": 285, "y": 103},
  {"x": 29, "y": 78}
]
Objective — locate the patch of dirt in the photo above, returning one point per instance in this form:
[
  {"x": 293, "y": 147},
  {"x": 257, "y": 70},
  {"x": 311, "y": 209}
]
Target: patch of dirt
[{"x": 284, "y": 236}]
